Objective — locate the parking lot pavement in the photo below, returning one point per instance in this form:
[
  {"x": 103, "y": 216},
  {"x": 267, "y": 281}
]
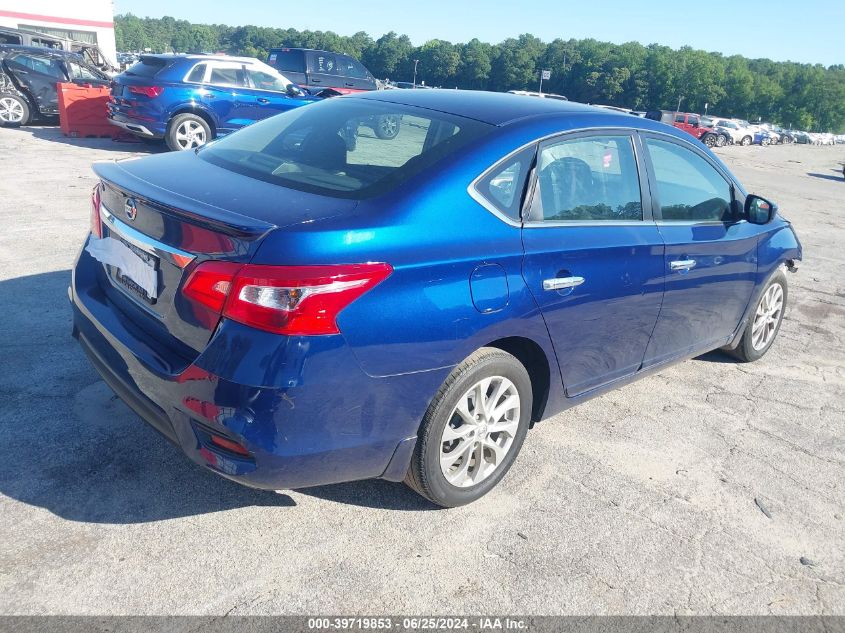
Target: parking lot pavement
[{"x": 711, "y": 487}]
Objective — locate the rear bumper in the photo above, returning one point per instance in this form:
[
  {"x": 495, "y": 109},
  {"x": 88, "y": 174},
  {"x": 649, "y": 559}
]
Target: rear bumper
[
  {"x": 140, "y": 127},
  {"x": 304, "y": 409}
]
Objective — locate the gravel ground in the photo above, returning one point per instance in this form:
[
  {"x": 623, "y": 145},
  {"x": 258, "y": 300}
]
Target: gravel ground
[{"x": 711, "y": 487}]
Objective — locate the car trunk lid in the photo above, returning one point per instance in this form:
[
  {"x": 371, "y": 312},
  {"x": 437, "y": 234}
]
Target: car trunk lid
[{"x": 154, "y": 235}]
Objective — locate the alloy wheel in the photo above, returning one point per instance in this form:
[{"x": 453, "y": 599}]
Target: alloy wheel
[
  {"x": 190, "y": 134},
  {"x": 767, "y": 317},
  {"x": 480, "y": 431},
  {"x": 11, "y": 110}
]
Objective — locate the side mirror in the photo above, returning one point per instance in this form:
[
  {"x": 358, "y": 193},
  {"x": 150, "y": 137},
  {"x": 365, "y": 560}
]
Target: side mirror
[
  {"x": 759, "y": 210},
  {"x": 294, "y": 91}
]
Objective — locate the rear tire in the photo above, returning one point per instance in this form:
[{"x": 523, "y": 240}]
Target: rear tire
[
  {"x": 187, "y": 131},
  {"x": 460, "y": 456},
  {"x": 763, "y": 326},
  {"x": 746, "y": 141},
  {"x": 14, "y": 111}
]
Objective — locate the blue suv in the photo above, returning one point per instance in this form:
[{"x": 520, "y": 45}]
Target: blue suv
[
  {"x": 189, "y": 100},
  {"x": 292, "y": 309}
]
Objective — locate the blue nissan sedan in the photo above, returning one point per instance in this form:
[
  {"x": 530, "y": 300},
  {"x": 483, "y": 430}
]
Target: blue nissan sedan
[{"x": 304, "y": 302}]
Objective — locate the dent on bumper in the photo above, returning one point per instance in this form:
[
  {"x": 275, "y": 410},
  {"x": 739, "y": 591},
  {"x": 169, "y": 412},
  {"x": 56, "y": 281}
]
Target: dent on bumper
[{"x": 317, "y": 422}]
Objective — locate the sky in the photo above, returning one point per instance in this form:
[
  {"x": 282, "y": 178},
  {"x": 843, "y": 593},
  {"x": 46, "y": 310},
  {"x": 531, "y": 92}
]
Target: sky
[{"x": 808, "y": 31}]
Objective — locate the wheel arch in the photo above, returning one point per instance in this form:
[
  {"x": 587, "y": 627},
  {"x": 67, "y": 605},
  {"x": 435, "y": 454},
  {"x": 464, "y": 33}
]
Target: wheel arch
[
  {"x": 200, "y": 112},
  {"x": 536, "y": 363}
]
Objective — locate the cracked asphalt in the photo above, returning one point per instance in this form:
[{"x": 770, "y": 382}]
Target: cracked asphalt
[{"x": 709, "y": 488}]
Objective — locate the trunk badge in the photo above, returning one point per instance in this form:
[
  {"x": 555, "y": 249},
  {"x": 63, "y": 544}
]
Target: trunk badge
[{"x": 130, "y": 208}]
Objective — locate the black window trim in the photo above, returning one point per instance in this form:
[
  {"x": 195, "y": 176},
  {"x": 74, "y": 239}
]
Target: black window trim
[
  {"x": 476, "y": 194},
  {"x": 737, "y": 193}
]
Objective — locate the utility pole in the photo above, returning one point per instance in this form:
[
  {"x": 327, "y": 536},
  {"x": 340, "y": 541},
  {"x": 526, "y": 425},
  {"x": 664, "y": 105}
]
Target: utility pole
[
  {"x": 416, "y": 61},
  {"x": 680, "y": 97}
]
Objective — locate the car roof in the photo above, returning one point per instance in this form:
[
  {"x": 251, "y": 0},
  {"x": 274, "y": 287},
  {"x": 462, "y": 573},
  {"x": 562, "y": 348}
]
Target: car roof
[
  {"x": 198, "y": 56},
  {"x": 39, "y": 50},
  {"x": 495, "y": 108}
]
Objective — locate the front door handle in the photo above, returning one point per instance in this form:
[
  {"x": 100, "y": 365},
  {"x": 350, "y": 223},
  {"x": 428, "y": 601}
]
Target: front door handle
[
  {"x": 263, "y": 100},
  {"x": 682, "y": 264},
  {"x": 562, "y": 283}
]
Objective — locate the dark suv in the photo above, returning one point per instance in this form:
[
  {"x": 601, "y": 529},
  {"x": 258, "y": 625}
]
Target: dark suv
[
  {"x": 318, "y": 70},
  {"x": 28, "y": 78}
]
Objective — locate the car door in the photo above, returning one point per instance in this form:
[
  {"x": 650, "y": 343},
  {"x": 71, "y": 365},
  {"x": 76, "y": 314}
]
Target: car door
[
  {"x": 593, "y": 255},
  {"x": 85, "y": 75},
  {"x": 38, "y": 74},
  {"x": 711, "y": 252},
  {"x": 322, "y": 70},
  {"x": 227, "y": 94},
  {"x": 353, "y": 75},
  {"x": 269, "y": 94}
]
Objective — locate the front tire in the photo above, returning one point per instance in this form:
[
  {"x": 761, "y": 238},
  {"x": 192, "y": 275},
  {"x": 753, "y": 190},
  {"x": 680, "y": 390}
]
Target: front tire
[
  {"x": 709, "y": 140},
  {"x": 746, "y": 141},
  {"x": 14, "y": 111},
  {"x": 473, "y": 429},
  {"x": 387, "y": 126},
  {"x": 764, "y": 325},
  {"x": 187, "y": 131}
]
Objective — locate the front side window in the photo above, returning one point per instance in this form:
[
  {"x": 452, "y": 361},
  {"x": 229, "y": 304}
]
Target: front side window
[
  {"x": 267, "y": 81},
  {"x": 688, "y": 187},
  {"x": 80, "y": 72},
  {"x": 587, "y": 179},
  {"x": 348, "y": 67},
  {"x": 331, "y": 148}
]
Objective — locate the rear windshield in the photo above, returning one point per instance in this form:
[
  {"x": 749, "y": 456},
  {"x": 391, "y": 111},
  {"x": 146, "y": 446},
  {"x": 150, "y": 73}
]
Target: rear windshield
[
  {"x": 147, "y": 67},
  {"x": 345, "y": 147}
]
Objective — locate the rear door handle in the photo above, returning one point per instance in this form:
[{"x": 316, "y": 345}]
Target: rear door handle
[
  {"x": 561, "y": 283},
  {"x": 263, "y": 100},
  {"x": 682, "y": 264}
]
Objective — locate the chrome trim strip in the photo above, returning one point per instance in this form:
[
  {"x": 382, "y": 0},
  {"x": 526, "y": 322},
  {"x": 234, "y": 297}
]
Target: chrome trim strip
[
  {"x": 536, "y": 224},
  {"x": 175, "y": 256},
  {"x": 132, "y": 127}
]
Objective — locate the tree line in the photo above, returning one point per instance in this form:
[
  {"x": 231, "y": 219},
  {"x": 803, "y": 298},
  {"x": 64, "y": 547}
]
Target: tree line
[{"x": 802, "y": 96}]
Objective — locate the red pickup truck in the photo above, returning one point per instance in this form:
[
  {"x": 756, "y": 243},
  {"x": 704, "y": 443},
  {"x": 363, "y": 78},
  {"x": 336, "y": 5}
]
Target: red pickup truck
[{"x": 686, "y": 121}]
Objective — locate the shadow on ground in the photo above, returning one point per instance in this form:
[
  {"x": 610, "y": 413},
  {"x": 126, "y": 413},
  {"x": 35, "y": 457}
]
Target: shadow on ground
[
  {"x": 72, "y": 447},
  {"x": 838, "y": 177},
  {"x": 128, "y": 144}
]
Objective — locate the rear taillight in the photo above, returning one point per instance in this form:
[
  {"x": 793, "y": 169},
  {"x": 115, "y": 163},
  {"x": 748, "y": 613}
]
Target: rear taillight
[
  {"x": 148, "y": 91},
  {"x": 96, "y": 223},
  {"x": 291, "y": 300}
]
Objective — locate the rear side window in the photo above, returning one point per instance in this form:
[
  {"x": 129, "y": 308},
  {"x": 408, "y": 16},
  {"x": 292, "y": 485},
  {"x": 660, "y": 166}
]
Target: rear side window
[
  {"x": 8, "y": 38},
  {"x": 197, "y": 74},
  {"x": 332, "y": 147},
  {"x": 688, "y": 187},
  {"x": 503, "y": 186},
  {"x": 324, "y": 63},
  {"x": 38, "y": 65},
  {"x": 286, "y": 59},
  {"x": 587, "y": 179},
  {"x": 680, "y": 118},
  {"x": 148, "y": 67}
]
